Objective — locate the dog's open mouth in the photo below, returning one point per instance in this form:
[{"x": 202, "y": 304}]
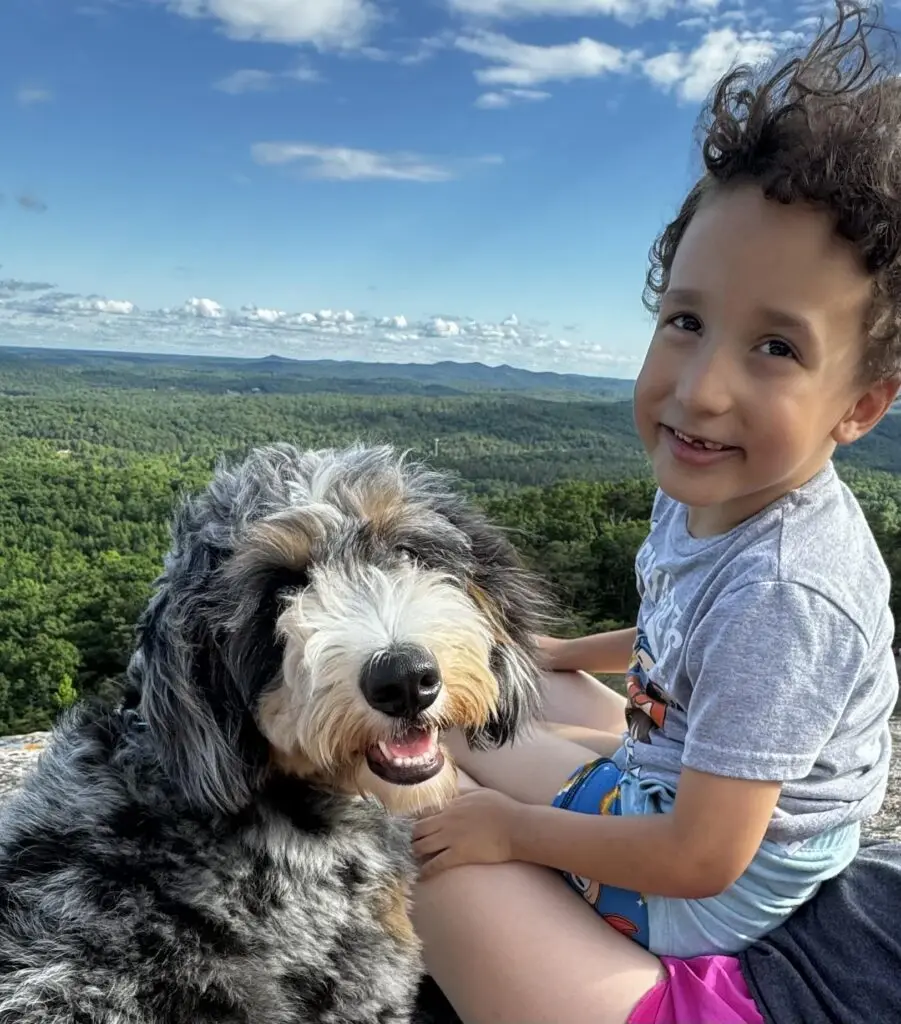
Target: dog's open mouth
[{"x": 407, "y": 760}]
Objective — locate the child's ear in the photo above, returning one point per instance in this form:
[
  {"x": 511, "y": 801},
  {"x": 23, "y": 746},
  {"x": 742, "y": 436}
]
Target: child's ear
[{"x": 867, "y": 411}]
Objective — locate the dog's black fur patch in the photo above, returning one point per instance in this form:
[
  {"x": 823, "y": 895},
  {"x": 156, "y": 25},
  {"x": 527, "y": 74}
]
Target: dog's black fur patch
[{"x": 119, "y": 904}]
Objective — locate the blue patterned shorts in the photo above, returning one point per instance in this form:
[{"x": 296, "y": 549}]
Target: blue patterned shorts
[{"x": 595, "y": 789}]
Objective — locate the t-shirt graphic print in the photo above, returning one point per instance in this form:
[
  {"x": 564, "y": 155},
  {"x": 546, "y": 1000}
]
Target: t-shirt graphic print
[{"x": 647, "y": 701}]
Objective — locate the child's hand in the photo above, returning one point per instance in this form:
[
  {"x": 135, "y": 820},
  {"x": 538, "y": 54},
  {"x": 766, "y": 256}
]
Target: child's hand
[
  {"x": 474, "y": 828},
  {"x": 548, "y": 649}
]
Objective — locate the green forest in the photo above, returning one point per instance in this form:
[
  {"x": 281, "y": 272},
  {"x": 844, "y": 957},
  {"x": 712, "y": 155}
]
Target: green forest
[{"x": 95, "y": 450}]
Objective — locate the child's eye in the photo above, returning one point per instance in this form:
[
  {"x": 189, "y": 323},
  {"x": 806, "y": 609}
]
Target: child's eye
[
  {"x": 778, "y": 347},
  {"x": 686, "y": 322}
]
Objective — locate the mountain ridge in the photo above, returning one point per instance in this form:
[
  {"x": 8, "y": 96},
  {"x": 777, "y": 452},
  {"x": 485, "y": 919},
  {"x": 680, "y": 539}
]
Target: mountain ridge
[{"x": 448, "y": 374}]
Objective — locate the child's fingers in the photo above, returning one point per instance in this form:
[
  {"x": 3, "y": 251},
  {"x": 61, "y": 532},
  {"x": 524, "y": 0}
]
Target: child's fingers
[
  {"x": 427, "y": 826},
  {"x": 435, "y": 865},
  {"x": 429, "y": 844}
]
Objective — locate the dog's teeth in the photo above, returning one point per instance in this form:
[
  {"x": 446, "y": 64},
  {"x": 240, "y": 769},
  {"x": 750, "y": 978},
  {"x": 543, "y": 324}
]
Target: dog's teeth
[
  {"x": 410, "y": 761},
  {"x": 407, "y": 762}
]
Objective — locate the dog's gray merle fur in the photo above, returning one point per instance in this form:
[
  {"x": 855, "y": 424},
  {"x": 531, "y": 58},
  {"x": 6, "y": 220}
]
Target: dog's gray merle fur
[{"x": 231, "y": 844}]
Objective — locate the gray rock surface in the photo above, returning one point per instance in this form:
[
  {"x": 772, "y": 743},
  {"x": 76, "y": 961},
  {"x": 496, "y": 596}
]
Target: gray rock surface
[
  {"x": 887, "y": 824},
  {"x": 18, "y": 753}
]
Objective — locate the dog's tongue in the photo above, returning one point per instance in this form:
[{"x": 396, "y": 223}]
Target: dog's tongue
[{"x": 412, "y": 744}]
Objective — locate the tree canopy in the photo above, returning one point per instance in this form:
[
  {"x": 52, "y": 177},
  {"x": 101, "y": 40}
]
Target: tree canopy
[{"x": 89, "y": 474}]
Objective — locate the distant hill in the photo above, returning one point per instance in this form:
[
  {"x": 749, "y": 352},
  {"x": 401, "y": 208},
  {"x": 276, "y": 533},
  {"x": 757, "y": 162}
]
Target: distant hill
[
  {"x": 279, "y": 375},
  {"x": 497, "y": 426}
]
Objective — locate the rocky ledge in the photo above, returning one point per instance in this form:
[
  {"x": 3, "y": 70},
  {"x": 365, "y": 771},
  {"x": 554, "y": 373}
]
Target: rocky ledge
[{"x": 18, "y": 754}]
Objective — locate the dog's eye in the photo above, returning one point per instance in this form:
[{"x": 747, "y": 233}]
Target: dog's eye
[
  {"x": 407, "y": 553},
  {"x": 284, "y": 594},
  {"x": 288, "y": 582}
]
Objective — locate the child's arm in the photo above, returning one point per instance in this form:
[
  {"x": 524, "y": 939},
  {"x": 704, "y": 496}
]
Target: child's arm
[
  {"x": 774, "y": 665},
  {"x": 601, "y": 652},
  {"x": 696, "y": 851}
]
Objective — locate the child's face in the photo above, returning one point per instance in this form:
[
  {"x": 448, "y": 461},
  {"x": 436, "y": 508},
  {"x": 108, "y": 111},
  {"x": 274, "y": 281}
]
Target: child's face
[{"x": 758, "y": 350}]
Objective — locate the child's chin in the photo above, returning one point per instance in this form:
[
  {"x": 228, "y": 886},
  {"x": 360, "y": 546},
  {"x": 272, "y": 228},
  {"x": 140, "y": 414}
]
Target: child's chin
[{"x": 698, "y": 488}]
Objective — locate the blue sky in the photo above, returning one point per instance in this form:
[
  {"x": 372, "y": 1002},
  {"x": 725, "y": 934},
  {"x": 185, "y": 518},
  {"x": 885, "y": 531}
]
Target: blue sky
[{"x": 406, "y": 180}]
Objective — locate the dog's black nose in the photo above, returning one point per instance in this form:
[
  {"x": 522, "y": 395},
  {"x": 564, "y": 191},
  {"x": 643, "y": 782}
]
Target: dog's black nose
[{"x": 401, "y": 681}]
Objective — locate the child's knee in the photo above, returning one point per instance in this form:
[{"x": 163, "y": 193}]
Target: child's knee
[
  {"x": 466, "y": 783},
  {"x": 568, "y": 677}
]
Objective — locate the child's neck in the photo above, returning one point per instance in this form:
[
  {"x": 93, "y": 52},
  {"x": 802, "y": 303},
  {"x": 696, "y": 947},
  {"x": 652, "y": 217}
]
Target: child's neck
[{"x": 714, "y": 520}]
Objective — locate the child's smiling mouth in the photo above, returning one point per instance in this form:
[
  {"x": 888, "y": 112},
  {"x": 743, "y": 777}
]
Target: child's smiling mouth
[{"x": 696, "y": 450}]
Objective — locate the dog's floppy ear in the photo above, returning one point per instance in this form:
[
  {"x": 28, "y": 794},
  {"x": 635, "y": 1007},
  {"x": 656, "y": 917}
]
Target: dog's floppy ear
[
  {"x": 518, "y": 604},
  {"x": 189, "y": 698}
]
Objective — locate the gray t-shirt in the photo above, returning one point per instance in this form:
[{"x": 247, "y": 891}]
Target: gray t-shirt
[{"x": 765, "y": 653}]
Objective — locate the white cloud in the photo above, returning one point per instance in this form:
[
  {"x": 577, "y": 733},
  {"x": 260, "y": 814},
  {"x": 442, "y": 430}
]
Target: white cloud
[
  {"x": 206, "y": 309},
  {"x": 40, "y": 298},
  {"x": 33, "y": 313},
  {"x": 255, "y": 80},
  {"x": 627, "y": 11},
  {"x": 303, "y": 74},
  {"x": 442, "y": 328},
  {"x": 524, "y": 65},
  {"x": 30, "y": 96},
  {"x": 666, "y": 69},
  {"x": 506, "y": 97},
  {"x": 426, "y": 48},
  {"x": 693, "y": 74},
  {"x": 697, "y": 22},
  {"x": 117, "y": 307},
  {"x": 246, "y": 80},
  {"x": 515, "y": 68},
  {"x": 341, "y": 163},
  {"x": 325, "y": 24},
  {"x": 264, "y": 316},
  {"x": 492, "y": 101}
]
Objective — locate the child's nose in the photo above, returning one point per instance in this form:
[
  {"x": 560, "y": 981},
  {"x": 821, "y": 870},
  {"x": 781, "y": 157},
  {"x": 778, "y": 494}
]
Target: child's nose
[{"x": 706, "y": 381}]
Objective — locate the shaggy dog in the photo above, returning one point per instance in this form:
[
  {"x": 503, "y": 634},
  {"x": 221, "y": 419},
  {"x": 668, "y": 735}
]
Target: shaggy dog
[{"x": 232, "y": 843}]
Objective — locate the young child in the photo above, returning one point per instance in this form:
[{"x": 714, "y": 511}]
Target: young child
[{"x": 760, "y": 676}]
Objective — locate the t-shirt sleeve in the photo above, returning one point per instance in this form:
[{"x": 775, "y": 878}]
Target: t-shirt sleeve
[{"x": 772, "y": 666}]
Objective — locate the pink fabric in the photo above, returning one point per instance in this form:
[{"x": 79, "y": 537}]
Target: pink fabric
[{"x": 703, "y": 990}]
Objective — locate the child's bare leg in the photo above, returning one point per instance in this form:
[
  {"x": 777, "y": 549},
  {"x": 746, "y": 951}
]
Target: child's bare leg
[
  {"x": 531, "y": 770},
  {"x": 577, "y": 698},
  {"x": 513, "y": 944},
  {"x": 465, "y": 783},
  {"x": 602, "y": 743}
]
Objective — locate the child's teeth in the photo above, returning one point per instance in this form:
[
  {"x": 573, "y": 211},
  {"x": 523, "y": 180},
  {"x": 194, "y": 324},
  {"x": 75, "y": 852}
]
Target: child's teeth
[{"x": 709, "y": 445}]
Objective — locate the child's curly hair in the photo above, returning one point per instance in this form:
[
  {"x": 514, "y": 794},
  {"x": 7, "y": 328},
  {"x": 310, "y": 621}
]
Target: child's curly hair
[{"x": 823, "y": 128}]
